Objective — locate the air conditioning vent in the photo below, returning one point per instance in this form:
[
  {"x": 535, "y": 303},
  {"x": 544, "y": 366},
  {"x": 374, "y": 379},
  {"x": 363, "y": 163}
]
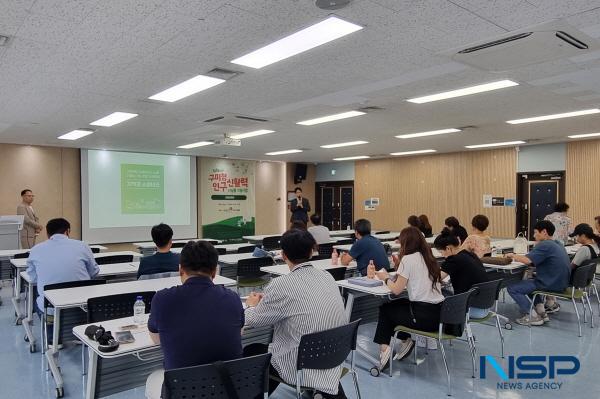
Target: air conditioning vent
[
  {"x": 237, "y": 120},
  {"x": 370, "y": 108},
  {"x": 4, "y": 40},
  {"x": 222, "y": 73},
  {"x": 533, "y": 45}
]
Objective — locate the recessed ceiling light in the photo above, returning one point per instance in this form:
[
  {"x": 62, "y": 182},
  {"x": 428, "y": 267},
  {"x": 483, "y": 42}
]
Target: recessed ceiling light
[
  {"x": 320, "y": 33},
  {"x": 555, "y": 116},
  {"x": 501, "y": 84},
  {"x": 352, "y": 158},
  {"x": 194, "y": 145},
  {"x": 347, "y": 144},
  {"x": 413, "y": 152},
  {"x": 430, "y": 133},
  {"x": 251, "y": 134},
  {"x": 187, "y": 88},
  {"x": 495, "y": 144},
  {"x": 330, "y": 118},
  {"x": 581, "y": 136},
  {"x": 283, "y": 152},
  {"x": 76, "y": 134},
  {"x": 113, "y": 119}
]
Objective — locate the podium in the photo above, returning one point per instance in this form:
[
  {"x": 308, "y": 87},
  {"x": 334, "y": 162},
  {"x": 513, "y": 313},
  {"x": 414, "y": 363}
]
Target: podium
[{"x": 10, "y": 227}]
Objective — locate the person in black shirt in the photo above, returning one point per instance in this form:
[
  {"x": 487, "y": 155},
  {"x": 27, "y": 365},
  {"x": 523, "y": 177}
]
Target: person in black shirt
[
  {"x": 464, "y": 268},
  {"x": 426, "y": 226},
  {"x": 454, "y": 226},
  {"x": 163, "y": 260}
]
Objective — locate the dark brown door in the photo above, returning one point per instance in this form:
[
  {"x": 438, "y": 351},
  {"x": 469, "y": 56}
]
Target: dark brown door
[
  {"x": 335, "y": 204},
  {"x": 537, "y": 194}
]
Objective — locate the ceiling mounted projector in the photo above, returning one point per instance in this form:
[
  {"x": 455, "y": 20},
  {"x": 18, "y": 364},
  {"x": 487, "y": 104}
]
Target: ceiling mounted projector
[{"x": 332, "y": 4}]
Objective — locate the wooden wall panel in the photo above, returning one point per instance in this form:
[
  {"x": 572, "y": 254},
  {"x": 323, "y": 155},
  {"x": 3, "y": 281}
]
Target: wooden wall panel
[
  {"x": 438, "y": 186},
  {"x": 582, "y": 183}
]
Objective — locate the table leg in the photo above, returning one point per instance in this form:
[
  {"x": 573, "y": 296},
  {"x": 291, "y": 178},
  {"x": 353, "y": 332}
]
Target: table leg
[
  {"x": 90, "y": 385},
  {"x": 16, "y": 299},
  {"x": 52, "y": 352},
  {"x": 28, "y": 321},
  {"x": 362, "y": 352}
]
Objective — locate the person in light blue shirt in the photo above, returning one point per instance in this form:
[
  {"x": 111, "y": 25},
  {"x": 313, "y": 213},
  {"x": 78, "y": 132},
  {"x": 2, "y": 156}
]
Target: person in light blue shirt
[{"x": 60, "y": 259}]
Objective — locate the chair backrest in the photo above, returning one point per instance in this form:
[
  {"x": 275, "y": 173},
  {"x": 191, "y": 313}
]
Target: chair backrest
[
  {"x": 338, "y": 273},
  {"x": 455, "y": 308},
  {"x": 388, "y": 249},
  {"x": 345, "y": 241},
  {"x": 110, "y": 259},
  {"x": 327, "y": 349},
  {"x": 249, "y": 375},
  {"x": 485, "y": 294},
  {"x": 221, "y": 251},
  {"x": 178, "y": 244},
  {"x": 250, "y": 268},
  {"x": 583, "y": 275},
  {"x": 158, "y": 275},
  {"x": 22, "y": 255},
  {"x": 246, "y": 249},
  {"x": 271, "y": 243},
  {"x": 326, "y": 249},
  {"x": 115, "y": 306},
  {"x": 70, "y": 284},
  {"x": 213, "y": 242},
  {"x": 95, "y": 250},
  {"x": 383, "y": 232}
]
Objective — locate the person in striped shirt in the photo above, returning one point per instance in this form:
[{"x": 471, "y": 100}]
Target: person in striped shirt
[{"x": 305, "y": 301}]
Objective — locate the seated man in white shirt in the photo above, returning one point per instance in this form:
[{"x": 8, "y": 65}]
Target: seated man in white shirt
[
  {"x": 318, "y": 231},
  {"x": 291, "y": 305}
]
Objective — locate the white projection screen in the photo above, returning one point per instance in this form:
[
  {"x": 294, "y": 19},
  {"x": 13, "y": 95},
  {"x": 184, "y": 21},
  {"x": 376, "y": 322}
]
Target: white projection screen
[{"x": 123, "y": 194}]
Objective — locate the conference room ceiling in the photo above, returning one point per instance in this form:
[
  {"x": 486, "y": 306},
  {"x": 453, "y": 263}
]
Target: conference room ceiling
[{"x": 69, "y": 63}]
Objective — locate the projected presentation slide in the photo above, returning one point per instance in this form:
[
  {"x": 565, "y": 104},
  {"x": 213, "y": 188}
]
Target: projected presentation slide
[{"x": 123, "y": 190}]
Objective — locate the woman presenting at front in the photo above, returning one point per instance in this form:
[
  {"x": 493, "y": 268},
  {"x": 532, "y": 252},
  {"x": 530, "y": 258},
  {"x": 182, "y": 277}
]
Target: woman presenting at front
[{"x": 419, "y": 273}]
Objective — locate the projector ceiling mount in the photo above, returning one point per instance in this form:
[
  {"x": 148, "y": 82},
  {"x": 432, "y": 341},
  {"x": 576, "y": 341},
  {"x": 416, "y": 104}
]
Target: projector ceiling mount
[{"x": 331, "y": 4}]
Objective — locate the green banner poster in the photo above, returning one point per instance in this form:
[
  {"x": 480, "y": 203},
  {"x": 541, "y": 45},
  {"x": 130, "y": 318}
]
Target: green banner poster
[
  {"x": 142, "y": 189},
  {"x": 227, "y": 198}
]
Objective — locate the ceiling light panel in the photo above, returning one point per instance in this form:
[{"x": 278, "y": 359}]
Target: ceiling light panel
[
  {"x": 331, "y": 118},
  {"x": 197, "y": 144},
  {"x": 316, "y": 35},
  {"x": 583, "y": 136},
  {"x": 76, "y": 134},
  {"x": 502, "y": 144},
  {"x": 187, "y": 88},
  {"x": 501, "y": 84},
  {"x": 429, "y": 133},
  {"x": 412, "y": 152},
  {"x": 113, "y": 119},
  {"x": 346, "y": 144},
  {"x": 283, "y": 152},
  {"x": 352, "y": 158},
  {"x": 555, "y": 116},
  {"x": 251, "y": 134}
]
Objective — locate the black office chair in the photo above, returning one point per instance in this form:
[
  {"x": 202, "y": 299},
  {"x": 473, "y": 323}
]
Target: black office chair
[
  {"x": 249, "y": 274},
  {"x": 111, "y": 259},
  {"x": 326, "y": 249},
  {"x": 338, "y": 273},
  {"x": 383, "y": 232},
  {"x": 22, "y": 255},
  {"x": 388, "y": 249},
  {"x": 245, "y": 378},
  {"x": 213, "y": 242},
  {"x": 178, "y": 244},
  {"x": 486, "y": 297},
  {"x": 115, "y": 306},
  {"x": 325, "y": 350},
  {"x": 271, "y": 243},
  {"x": 47, "y": 305},
  {"x": 221, "y": 251},
  {"x": 95, "y": 250},
  {"x": 345, "y": 241},
  {"x": 247, "y": 249}
]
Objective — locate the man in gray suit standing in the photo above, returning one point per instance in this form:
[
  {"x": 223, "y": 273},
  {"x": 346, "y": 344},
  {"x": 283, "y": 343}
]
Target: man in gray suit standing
[{"x": 31, "y": 225}]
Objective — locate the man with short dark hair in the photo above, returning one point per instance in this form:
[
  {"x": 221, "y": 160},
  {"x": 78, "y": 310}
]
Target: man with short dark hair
[
  {"x": 302, "y": 302},
  {"x": 366, "y": 249},
  {"x": 197, "y": 322},
  {"x": 59, "y": 259},
  {"x": 318, "y": 231},
  {"x": 299, "y": 207},
  {"x": 31, "y": 226},
  {"x": 552, "y": 266},
  {"x": 163, "y": 260}
]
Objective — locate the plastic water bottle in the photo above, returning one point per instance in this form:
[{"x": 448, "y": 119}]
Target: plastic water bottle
[
  {"x": 371, "y": 269},
  {"x": 334, "y": 257},
  {"x": 139, "y": 310}
]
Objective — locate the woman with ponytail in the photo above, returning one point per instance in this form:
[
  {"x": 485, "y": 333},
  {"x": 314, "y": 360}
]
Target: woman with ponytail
[
  {"x": 419, "y": 274},
  {"x": 463, "y": 266}
]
